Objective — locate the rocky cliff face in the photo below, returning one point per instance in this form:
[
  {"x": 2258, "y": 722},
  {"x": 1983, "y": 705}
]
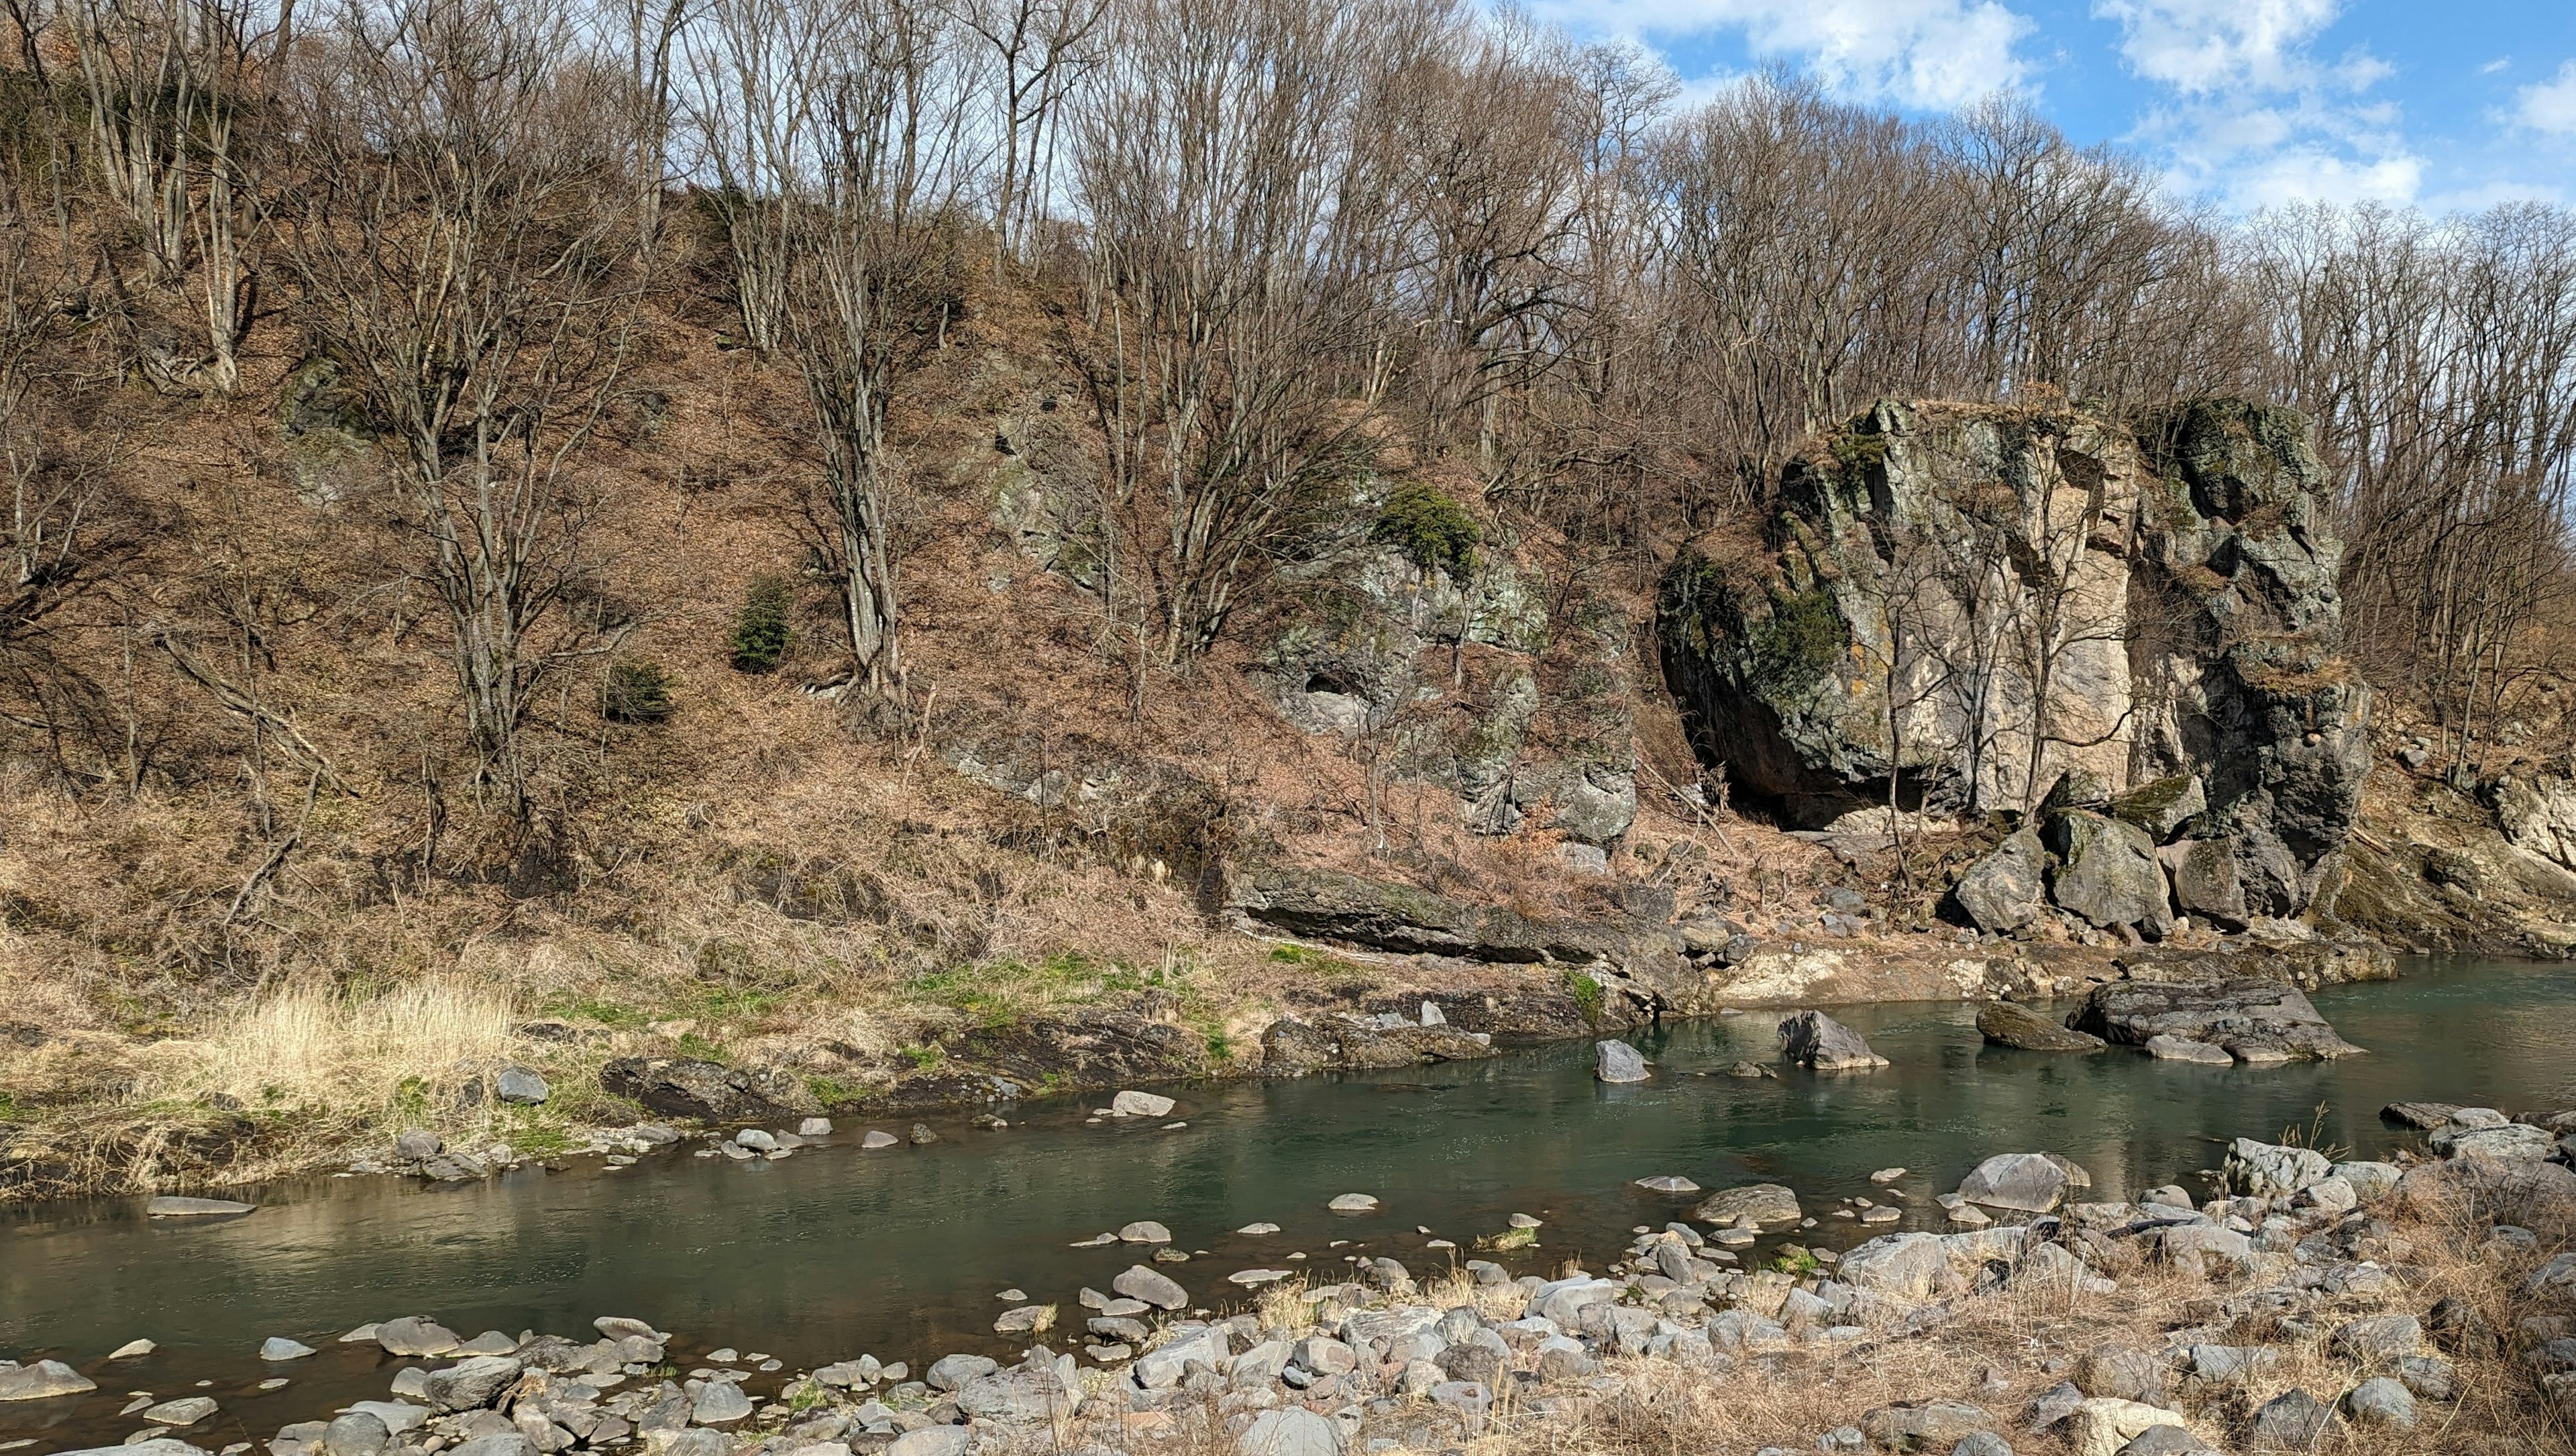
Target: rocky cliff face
[{"x": 2129, "y": 639}]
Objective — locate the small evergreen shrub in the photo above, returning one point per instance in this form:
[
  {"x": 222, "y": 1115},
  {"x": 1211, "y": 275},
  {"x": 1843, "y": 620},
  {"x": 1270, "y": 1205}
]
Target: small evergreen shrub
[
  {"x": 1431, "y": 528},
  {"x": 638, "y": 692},
  {"x": 759, "y": 637}
]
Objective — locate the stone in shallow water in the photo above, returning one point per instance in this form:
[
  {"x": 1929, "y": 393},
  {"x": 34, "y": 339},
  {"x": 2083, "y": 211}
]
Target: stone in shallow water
[
  {"x": 876, "y": 1139},
  {"x": 1668, "y": 1183},
  {"x": 186, "y": 1411},
  {"x": 1616, "y": 1061},
  {"x": 2182, "y": 1049},
  {"x": 43, "y": 1380},
  {"x": 2025, "y": 1182},
  {"x": 1762, "y": 1202},
  {"x": 1144, "y": 1231},
  {"x": 1353, "y": 1203},
  {"x": 1140, "y": 1104},
  {"x": 1813, "y": 1039},
  {"x": 1142, "y": 1283},
  {"x": 2005, "y": 1024},
  {"x": 276, "y": 1347},
  {"x": 167, "y": 1206}
]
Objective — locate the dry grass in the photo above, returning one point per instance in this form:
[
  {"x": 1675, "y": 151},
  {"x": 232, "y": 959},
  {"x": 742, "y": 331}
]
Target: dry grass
[{"x": 322, "y": 1046}]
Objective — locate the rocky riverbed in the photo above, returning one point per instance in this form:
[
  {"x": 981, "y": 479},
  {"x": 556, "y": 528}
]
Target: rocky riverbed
[{"x": 2293, "y": 1301}]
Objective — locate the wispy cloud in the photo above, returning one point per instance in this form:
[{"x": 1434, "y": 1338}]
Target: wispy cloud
[
  {"x": 2549, "y": 107},
  {"x": 2253, "y": 115},
  {"x": 1925, "y": 54}
]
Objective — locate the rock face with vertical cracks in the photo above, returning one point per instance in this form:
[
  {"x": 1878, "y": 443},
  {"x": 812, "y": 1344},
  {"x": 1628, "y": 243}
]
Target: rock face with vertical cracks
[{"x": 1967, "y": 603}]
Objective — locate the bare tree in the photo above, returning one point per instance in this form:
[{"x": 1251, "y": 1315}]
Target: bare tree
[
  {"x": 1242, "y": 238},
  {"x": 871, "y": 284},
  {"x": 1042, "y": 48},
  {"x": 458, "y": 226}
]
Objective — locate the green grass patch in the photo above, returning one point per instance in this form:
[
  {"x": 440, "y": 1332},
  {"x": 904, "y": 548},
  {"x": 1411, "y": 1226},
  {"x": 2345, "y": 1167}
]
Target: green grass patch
[
  {"x": 694, "y": 1045},
  {"x": 1586, "y": 993},
  {"x": 923, "y": 1055}
]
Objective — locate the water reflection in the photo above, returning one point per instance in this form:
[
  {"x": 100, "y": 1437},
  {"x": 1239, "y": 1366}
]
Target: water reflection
[{"x": 833, "y": 1252}]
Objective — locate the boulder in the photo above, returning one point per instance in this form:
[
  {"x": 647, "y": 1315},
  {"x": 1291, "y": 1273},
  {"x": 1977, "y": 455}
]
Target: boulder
[
  {"x": 1929, "y": 1424},
  {"x": 2379, "y": 1339},
  {"x": 2027, "y": 1182},
  {"x": 933, "y": 1441},
  {"x": 2100, "y": 1426},
  {"x": 1141, "y": 1104},
  {"x": 2513, "y": 1142},
  {"x": 709, "y": 1091},
  {"x": 1907, "y": 1267},
  {"x": 2380, "y": 1403},
  {"x": 1021, "y": 1397},
  {"x": 415, "y": 1335},
  {"x": 2006, "y": 1024},
  {"x": 2107, "y": 873},
  {"x": 2215, "y": 511},
  {"x": 2250, "y": 1018},
  {"x": 951, "y": 1372},
  {"x": 1290, "y": 1432},
  {"x": 1139, "y": 1282},
  {"x": 1764, "y": 1203},
  {"x": 2008, "y": 888},
  {"x": 2423, "y": 1115},
  {"x": 2179, "y": 1049},
  {"x": 2270, "y": 1170},
  {"x": 43, "y": 1380},
  {"x": 520, "y": 1085},
  {"x": 1813, "y": 1039},
  {"x": 2161, "y": 808},
  {"x": 1616, "y": 1061},
  {"x": 472, "y": 1383},
  {"x": 172, "y": 1206}
]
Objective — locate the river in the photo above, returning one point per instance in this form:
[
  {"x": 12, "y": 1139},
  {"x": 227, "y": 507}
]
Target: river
[{"x": 835, "y": 1251}]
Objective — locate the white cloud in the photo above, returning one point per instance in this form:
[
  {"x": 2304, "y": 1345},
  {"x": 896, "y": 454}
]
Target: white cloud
[
  {"x": 2497, "y": 66},
  {"x": 2255, "y": 117},
  {"x": 2550, "y": 107},
  {"x": 2201, "y": 46},
  {"x": 1934, "y": 54},
  {"x": 2302, "y": 174}
]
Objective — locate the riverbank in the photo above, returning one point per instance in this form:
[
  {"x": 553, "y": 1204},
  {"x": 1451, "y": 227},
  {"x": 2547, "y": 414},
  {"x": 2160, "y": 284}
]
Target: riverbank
[
  {"x": 311, "y": 1082},
  {"x": 2419, "y": 1303}
]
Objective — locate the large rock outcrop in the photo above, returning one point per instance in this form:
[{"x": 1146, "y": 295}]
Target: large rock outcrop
[{"x": 1987, "y": 605}]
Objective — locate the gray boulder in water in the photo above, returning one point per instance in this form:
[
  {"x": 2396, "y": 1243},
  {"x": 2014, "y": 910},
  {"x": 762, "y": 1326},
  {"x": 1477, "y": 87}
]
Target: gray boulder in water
[
  {"x": 1616, "y": 1061},
  {"x": 2005, "y": 1024},
  {"x": 1813, "y": 1039},
  {"x": 2254, "y": 1020}
]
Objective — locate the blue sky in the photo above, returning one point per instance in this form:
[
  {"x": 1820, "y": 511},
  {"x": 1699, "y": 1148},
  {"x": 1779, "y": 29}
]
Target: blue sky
[{"x": 2247, "y": 103}]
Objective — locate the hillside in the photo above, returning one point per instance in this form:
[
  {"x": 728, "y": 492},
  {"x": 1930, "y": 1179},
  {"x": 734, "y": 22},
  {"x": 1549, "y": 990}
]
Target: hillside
[{"x": 516, "y": 562}]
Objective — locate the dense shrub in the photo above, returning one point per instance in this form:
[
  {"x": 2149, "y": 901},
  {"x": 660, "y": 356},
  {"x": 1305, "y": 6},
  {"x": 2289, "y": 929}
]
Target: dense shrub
[
  {"x": 638, "y": 692},
  {"x": 1431, "y": 528},
  {"x": 759, "y": 637}
]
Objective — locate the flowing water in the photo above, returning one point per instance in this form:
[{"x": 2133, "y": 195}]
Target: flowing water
[{"x": 834, "y": 1251}]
